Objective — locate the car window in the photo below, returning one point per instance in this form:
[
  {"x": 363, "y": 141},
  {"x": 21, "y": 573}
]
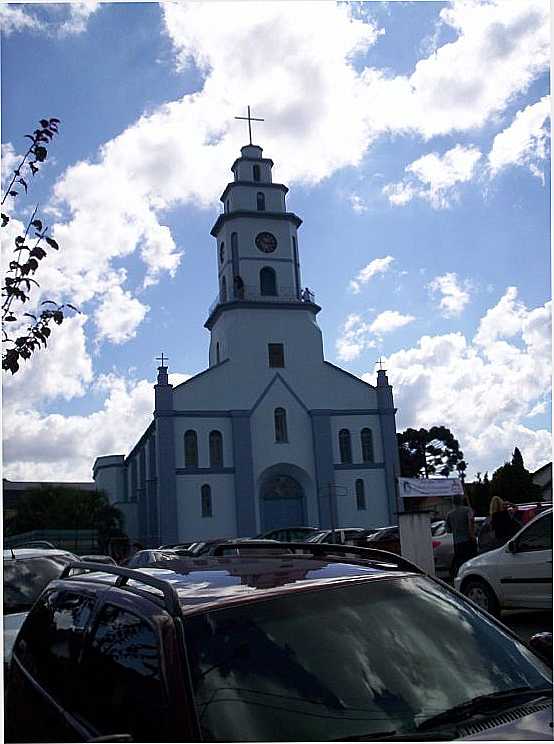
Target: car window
[
  {"x": 538, "y": 536},
  {"x": 24, "y": 580},
  {"x": 51, "y": 641},
  {"x": 438, "y": 529},
  {"x": 123, "y": 691}
]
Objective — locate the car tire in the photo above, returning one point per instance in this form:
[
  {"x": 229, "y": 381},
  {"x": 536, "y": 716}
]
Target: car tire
[{"x": 482, "y": 595}]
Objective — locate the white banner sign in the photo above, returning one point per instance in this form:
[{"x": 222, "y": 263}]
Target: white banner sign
[{"x": 424, "y": 487}]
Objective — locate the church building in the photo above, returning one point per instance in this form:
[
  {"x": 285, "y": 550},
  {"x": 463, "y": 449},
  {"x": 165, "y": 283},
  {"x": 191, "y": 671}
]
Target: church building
[{"x": 270, "y": 434}]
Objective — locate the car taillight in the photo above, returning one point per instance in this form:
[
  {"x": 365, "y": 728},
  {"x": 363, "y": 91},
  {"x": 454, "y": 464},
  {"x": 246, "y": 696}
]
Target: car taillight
[{"x": 436, "y": 543}]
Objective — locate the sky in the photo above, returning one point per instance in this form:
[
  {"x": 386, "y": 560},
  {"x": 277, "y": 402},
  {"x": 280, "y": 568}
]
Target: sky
[{"x": 415, "y": 140}]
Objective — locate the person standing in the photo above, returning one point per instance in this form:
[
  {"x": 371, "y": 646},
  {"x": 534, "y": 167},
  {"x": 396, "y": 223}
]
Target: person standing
[
  {"x": 460, "y": 522},
  {"x": 503, "y": 524}
]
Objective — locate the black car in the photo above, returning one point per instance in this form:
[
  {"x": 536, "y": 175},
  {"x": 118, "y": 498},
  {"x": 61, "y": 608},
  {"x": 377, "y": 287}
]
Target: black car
[
  {"x": 26, "y": 572},
  {"x": 324, "y": 643}
]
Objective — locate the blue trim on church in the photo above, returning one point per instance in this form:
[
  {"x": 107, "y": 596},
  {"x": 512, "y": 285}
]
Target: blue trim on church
[
  {"x": 245, "y": 491},
  {"x": 324, "y": 470}
]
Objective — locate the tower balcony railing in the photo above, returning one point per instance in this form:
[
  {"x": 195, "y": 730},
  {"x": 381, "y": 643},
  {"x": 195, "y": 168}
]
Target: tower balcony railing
[{"x": 250, "y": 293}]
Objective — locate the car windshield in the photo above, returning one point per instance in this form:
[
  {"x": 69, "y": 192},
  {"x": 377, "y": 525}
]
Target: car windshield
[
  {"x": 24, "y": 580},
  {"x": 350, "y": 661}
]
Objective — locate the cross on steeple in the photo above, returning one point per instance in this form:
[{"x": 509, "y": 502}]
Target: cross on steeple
[
  {"x": 380, "y": 363},
  {"x": 249, "y": 119},
  {"x": 162, "y": 359}
]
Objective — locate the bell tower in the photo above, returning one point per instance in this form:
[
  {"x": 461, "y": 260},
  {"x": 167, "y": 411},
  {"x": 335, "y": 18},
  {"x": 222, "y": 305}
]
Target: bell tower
[{"x": 257, "y": 250}]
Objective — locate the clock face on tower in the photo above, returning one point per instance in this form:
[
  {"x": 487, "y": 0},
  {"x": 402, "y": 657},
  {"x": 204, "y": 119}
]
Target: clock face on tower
[{"x": 266, "y": 242}]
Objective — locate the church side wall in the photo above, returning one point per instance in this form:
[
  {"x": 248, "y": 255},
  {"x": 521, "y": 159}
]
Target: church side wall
[
  {"x": 355, "y": 424},
  {"x": 203, "y": 426},
  {"x": 376, "y": 513},
  {"x": 191, "y": 524}
]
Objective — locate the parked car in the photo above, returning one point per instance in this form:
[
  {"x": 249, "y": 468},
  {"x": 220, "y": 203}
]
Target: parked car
[
  {"x": 289, "y": 534},
  {"x": 146, "y": 558},
  {"x": 516, "y": 575},
  {"x": 443, "y": 547},
  {"x": 176, "y": 546},
  {"x": 343, "y": 536},
  {"x": 98, "y": 559},
  {"x": 385, "y": 538},
  {"x": 26, "y": 572},
  {"x": 521, "y": 514},
  {"x": 328, "y": 643}
]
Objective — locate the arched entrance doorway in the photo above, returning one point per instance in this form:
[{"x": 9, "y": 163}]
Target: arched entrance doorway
[{"x": 282, "y": 503}]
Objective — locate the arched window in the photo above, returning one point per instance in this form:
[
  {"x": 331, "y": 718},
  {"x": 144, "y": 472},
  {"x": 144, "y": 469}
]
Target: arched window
[
  {"x": 216, "y": 449},
  {"x": 280, "y": 416},
  {"x": 260, "y": 201},
  {"x": 234, "y": 241},
  {"x": 217, "y": 359},
  {"x": 345, "y": 446},
  {"x": 239, "y": 288},
  {"x": 223, "y": 297},
  {"x": 206, "y": 499},
  {"x": 366, "y": 436},
  {"x": 191, "y": 449},
  {"x": 256, "y": 172},
  {"x": 268, "y": 282},
  {"x": 222, "y": 251},
  {"x": 360, "y": 495}
]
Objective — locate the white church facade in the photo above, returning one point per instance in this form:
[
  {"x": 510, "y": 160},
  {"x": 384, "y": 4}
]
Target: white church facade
[{"x": 271, "y": 434}]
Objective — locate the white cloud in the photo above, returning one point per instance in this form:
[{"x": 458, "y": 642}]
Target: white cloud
[
  {"x": 388, "y": 321},
  {"x": 454, "y": 297},
  {"x": 434, "y": 177},
  {"x": 61, "y": 370},
  {"x": 79, "y": 13},
  {"x": 14, "y": 18},
  {"x": 357, "y": 203},
  {"x": 52, "y": 446},
  {"x": 449, "y": 90},
  {"x": 525, "y": 141},
  {"x": 118, "y": 316},
  {"x": 483, "y": 389},
  {"x": 354, "y": 338},
  {"x": 377, "y": 266},
  {"x": 356, "y": 333},
  {"x": 9, "y": 162},
  {"x": 63, "y": 19}
]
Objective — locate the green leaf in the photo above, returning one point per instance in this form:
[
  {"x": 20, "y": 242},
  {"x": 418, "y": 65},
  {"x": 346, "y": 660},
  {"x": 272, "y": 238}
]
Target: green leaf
[
  {"x": 51, "y": 242},
  {"x": 13, "y": 193},
  {"x": 37, "y": 224},
  {"x": 41, "y": 153},
  {"x": 37, "y": 252},
  {"x": 5, "y": 219},
  {"x": 19, "y": 240}
]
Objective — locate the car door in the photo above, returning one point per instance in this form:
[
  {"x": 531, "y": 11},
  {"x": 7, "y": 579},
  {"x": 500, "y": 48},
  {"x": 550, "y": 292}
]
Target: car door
[
  {"x": 526, "y": 575},
  {"x": 123, "y": 686},
  {"x": 44, "y": 678}
]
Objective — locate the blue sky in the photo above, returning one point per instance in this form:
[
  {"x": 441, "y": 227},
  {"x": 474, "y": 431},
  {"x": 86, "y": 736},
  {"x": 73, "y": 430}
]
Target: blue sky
[{"x": 414, "y": 138}]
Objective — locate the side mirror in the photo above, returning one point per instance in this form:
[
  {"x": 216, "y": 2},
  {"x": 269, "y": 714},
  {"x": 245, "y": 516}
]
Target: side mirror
[
  {"x": 541, "y": 644},
  {"x": 512, "y": 547}
]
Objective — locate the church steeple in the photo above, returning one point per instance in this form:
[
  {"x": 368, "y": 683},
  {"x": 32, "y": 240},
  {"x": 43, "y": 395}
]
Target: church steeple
[
  {"x": 256, "y": 245},
  {"x": 257, "y": 241}
]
